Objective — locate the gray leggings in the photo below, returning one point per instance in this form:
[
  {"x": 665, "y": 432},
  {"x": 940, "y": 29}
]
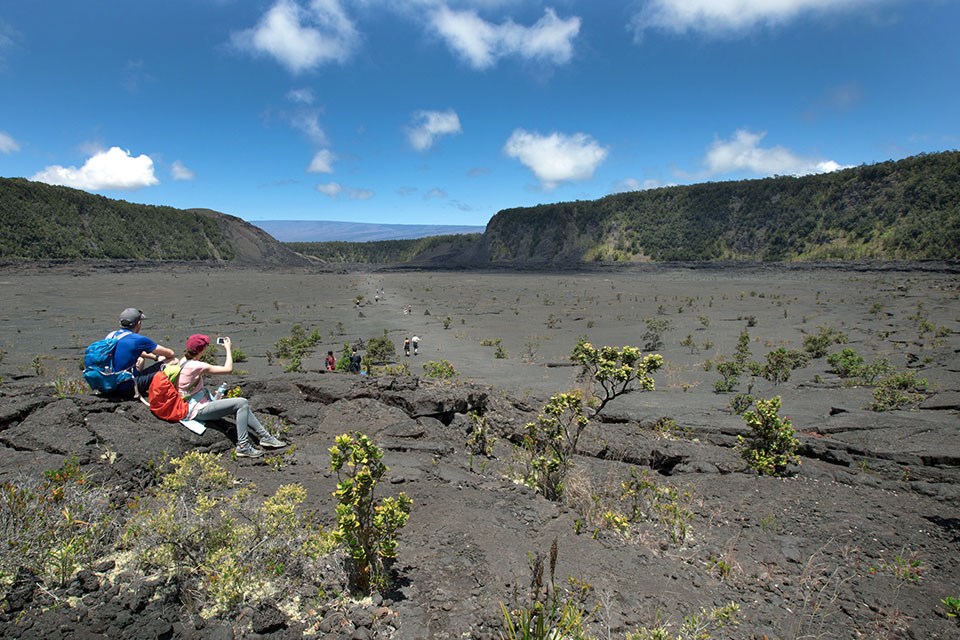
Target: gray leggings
[{"x": 245, "y": 418}]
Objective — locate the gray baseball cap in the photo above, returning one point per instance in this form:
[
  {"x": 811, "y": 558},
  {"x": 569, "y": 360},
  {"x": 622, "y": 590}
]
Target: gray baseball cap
[{"x": 130, "y": 317}]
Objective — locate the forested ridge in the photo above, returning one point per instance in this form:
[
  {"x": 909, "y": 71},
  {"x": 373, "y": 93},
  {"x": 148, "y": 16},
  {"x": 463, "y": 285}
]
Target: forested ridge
[
  {"x": 41, "y": 221},
  {"x": 899, "y": 210},
  {"x": 903, "y": 210}
]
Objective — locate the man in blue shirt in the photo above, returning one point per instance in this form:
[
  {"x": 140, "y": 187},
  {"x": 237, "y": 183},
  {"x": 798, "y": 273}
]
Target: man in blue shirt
[{"x": 133, "y": 349}]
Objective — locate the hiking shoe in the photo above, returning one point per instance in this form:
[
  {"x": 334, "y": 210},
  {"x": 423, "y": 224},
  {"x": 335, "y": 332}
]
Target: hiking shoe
[
  {"x": 247, "y": 450},
  {"x": 271, "y": 442}
]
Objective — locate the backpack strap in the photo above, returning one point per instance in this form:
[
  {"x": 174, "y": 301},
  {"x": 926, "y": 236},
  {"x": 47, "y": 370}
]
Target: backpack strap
[
  {"x": 117, "y": 335},
  {"x": 197, "y": 385}
]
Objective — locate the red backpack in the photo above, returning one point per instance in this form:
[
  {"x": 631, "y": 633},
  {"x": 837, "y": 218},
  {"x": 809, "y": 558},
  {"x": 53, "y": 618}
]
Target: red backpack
[{"x": 165, "y": 400}]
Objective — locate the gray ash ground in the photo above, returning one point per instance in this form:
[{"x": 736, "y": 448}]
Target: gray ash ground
[{"x": 860, "y": 542}]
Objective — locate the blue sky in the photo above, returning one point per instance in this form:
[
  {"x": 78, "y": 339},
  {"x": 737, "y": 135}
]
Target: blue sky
[{"x": 446, "y": 111}]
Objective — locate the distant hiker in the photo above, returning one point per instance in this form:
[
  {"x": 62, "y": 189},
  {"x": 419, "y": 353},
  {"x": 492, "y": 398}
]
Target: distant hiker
[
  {"x": 132, "y": 352},
  {"x": 355, "y": 361},
  {"x": 330, "y": 361},
  {"x": 406, "y": 347},
  {"x": 204, "y": 407},
  {"x": 415, "y": 341}
]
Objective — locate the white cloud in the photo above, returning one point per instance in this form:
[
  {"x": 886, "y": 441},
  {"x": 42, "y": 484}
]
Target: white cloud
[
  {"x": 7, "y": 143},
  {"x": 111, "y": 169},
  {"x": 331, "y": 189},
  {"x": 300, "y": 96},
  {"x": 435, "y": 194},
  {"x": 301, "y": 38},
  {"x": 181, "y": 172},
  {"x": 556, "y": 157},
  {"x": 482, "y": 43},
  {"x": 730, "y": 16},
  {"x": 334, "y": 189},
  {"x": 429, "y": 125},
  {"x": 632, "y": 184},
  {"x": 743, "y": 153},
  {"x": 322, "y": 162},
  {"x": 307, "y": 121}
]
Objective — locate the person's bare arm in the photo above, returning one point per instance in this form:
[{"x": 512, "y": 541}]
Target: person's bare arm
[
  {"x": 162, "y": 352},
  {"x": 227, "y": 366}
]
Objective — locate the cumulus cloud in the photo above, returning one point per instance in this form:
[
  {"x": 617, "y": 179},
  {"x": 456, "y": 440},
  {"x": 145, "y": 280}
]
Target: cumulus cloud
[
  {"x": 181, "y": 172},
  {"x": 7, "y": 143},
  {"x": 743, "y": 153},
  {"x": 301, "y": 38},
  {"x": 482, "y": 43},
  {"x": 427, "y": 126},
  {"x": 322, "y": 162},
  {"x": 111, "y": 169},
  {"x": 730, "y": 16},
  {"x": 556, "y": 158},
  {"x": 335, "y": 189}
]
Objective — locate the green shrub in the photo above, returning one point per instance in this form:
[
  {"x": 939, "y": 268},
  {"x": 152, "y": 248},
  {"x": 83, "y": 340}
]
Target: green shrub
[
  {"x": 225, "y": 548},
  {"x": 648, "y": 499},
  {"x": 730, "y": 372},
  {"x": 729, "y": 376},
  {"x": 368, "y": 530},
  {"x": 441, "y": 370},
  {"x": 616, "y": 371},
  {"x": 771, "y": 443},
  {"x": 846, "y": 363},
  {"x": 551, "y": 441},
  {"x": 818, "y": 344},
  {"x": 402, "y": 369},
  {"x": 480, "y": 439},
  {"x": 547, "y": 612},
  {"x": 343, "y": 362},
  {"x": 780, "y": 362},
  {"x": 741, "y": 402},
  {"x": 952, "y": 606},
  {"x": 55, "y": 526},
  {"x": 294, "y": 347},
  {"x": 653, "y": 336},
  {"x": 696, "y": 626},
  {"x": 899, "y": 390},
  {"x": 380, "y": 350}
]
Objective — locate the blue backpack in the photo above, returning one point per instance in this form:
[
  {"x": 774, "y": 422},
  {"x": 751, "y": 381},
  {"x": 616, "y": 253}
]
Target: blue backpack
[{"x": 98, "y": 364}]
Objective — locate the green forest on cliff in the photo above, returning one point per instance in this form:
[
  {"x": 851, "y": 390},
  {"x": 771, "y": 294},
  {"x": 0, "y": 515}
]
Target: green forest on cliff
[
  {"x": 904, "y": 210},
  {"x": 40, "y": 221},
  {"x": 899, "y": 210}
]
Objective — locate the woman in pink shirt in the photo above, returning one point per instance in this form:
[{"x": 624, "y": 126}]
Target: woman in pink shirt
[{"x": 203, "y": 407}]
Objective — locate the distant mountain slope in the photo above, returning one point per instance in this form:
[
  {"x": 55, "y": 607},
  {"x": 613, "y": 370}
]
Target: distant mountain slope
[
  {"x": 40, "y": 221},
  {"x": 904, "y": 210},
  {"x": 334, "y": 231}
]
